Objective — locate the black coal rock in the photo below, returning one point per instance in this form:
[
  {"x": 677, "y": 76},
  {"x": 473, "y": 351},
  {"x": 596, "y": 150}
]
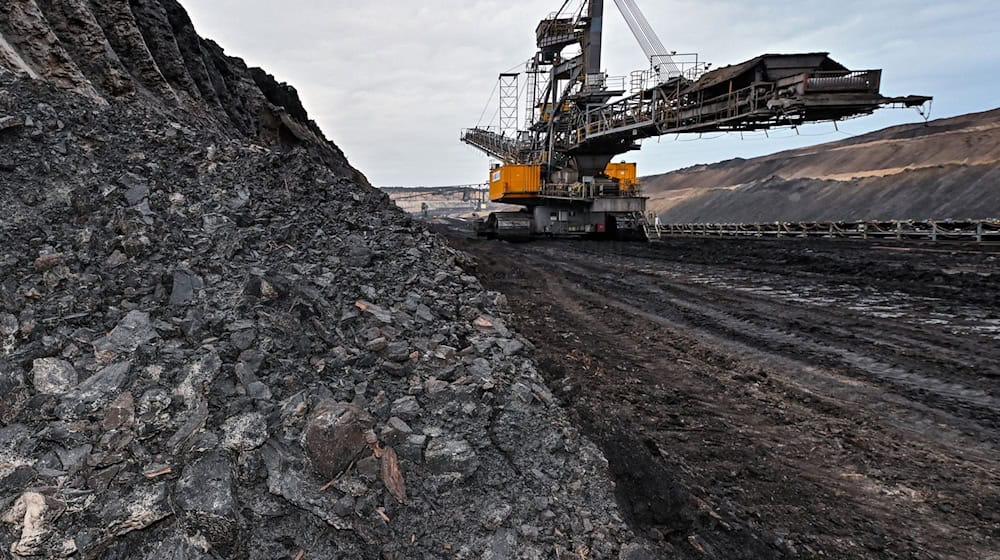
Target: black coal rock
[{"x": 212, "y": 329}]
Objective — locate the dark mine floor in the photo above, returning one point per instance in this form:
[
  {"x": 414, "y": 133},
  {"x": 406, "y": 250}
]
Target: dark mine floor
[{"x": 776, "y": 399}]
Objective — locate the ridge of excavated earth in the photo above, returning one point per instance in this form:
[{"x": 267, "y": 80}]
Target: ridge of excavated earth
[
  {"x": 218, "y": 341},
  {"x": 944, "y": 169}
]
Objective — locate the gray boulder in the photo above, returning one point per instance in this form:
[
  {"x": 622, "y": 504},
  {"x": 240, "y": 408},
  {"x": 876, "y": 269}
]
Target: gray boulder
[
  {"x": 204, "y": 495},
  {"x": 52, "y": 376},
  {"x": 451, "y": 456}
]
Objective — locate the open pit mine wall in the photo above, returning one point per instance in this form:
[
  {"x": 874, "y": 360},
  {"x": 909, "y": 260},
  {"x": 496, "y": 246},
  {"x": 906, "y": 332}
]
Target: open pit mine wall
[
  {"x": 945, "y": 169},
  {"x": 105, "y": 50}
]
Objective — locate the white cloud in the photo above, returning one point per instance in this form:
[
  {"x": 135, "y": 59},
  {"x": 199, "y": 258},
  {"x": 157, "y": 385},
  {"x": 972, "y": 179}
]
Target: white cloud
[{"x": 392, "y": 82}]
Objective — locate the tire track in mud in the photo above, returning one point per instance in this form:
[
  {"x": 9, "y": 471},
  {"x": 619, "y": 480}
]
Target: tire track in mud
[
  {"x": 913, "y": 418},
  {"x": 698, "y": 307},
  {"x": 796, "y": 422}
]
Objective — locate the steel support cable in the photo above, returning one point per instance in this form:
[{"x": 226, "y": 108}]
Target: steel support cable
[
  {"x": 633, "y": 26},
  {"x": 517, "y": 66},
  {"x": 561, "y": 8},
  {"x": 495, "y": 86},
  {"x": 654, "y": 39},
  {"x": 488, "y": 101},
  {"x": 493, "y": 119},
  {"x": 648, "y": 40},
  {"x": 551, "y": 22},
  {"x": 638, "y": 30},
  {"x": 663, "y": 58}
]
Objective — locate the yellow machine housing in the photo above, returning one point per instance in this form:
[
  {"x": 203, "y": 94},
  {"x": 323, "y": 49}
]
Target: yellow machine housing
[
  {"x": 625, "y": 173},
  {"x": 515, "y": 181},
  {"x": 545, "y": 110}
]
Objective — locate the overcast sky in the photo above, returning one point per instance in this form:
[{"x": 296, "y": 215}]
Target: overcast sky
[{"x": 393, "y": 82}]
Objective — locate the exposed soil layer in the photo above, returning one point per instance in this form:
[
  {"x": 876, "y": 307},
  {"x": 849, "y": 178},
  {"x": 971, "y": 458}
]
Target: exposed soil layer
[
  {"x": 790, "y": 399},
  {"x": 944, "y": 169}
]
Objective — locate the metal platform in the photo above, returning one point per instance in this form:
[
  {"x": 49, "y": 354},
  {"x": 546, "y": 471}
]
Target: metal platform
[{"x": 766, "y": 92}]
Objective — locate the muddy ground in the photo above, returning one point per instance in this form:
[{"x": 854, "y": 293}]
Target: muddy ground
[{"x": 789, "y": 399}]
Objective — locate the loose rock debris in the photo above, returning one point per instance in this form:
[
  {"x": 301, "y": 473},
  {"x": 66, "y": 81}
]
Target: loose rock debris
[{"x": 217, "y": 341}]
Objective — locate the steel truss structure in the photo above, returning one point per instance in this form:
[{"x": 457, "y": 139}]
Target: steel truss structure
[
  {"x": 559, "y": 167},
  {"x": 509, "y": 99}
]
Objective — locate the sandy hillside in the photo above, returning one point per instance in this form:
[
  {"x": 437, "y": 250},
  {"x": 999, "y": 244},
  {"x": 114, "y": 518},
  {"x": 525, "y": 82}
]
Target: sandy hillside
[{"x": 946, "y": 169}]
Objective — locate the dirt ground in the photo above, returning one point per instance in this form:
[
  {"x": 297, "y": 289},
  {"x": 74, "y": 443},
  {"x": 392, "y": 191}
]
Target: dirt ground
[{"x": 777, "y": 399}]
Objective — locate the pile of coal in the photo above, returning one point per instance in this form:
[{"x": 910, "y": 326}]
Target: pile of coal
[{"x": 218, "y": 341}]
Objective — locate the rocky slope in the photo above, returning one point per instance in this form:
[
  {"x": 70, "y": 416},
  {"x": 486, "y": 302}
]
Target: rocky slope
[
  {"x": 106, "y": 50},
  {"x": 948, "y": 169},
  {"x": 218, "y": 341}
]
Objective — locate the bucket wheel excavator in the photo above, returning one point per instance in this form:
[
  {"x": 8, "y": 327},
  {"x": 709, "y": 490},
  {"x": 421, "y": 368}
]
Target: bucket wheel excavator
[{"x": 560, "y": 167}]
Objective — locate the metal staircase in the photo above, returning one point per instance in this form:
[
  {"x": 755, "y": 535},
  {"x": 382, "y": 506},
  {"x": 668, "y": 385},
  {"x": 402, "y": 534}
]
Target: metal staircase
[{"x": 650, "y": 230}]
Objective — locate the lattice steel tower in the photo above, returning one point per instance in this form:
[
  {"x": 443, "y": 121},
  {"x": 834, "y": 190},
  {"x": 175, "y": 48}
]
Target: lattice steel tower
[{"x": 509, "y": 99}]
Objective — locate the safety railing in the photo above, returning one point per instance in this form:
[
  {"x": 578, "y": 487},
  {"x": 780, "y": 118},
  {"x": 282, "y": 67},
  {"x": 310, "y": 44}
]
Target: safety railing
[
  {"x": 927, "y": 230},
  {"x": 588, "y": 191},
  {"x": 555, "y": 31},
  {"x": 674, "y": 108},
  {"x": 504, "y": 148},
  {"x": 661, "y": 111}
]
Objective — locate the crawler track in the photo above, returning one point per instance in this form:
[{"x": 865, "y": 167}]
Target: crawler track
[{"x": 777, "y": 399}]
